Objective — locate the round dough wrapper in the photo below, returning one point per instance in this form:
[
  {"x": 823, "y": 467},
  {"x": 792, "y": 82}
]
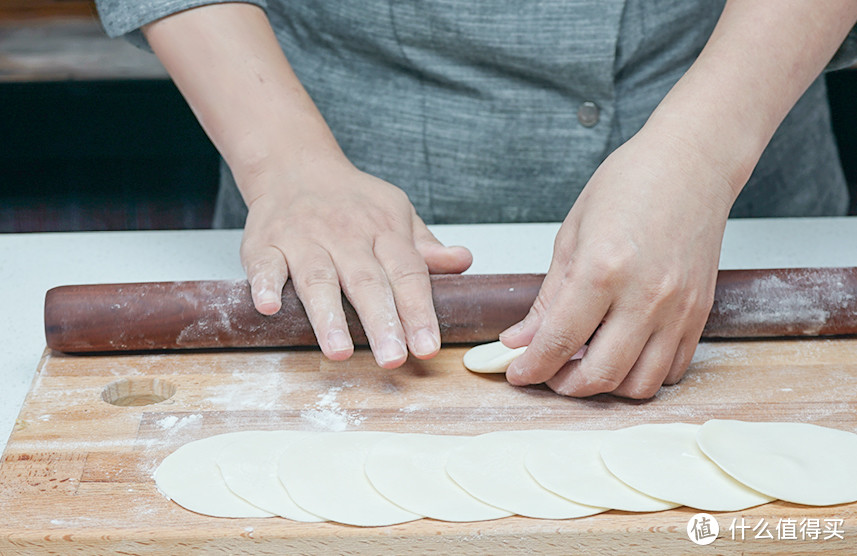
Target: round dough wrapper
[
  {"x": 324, "y": 474},
  {"x": 569, "y": 464},
  {"x": 491, "y": 468},
  {"x": 410, "y": 471},
  {"x": 190, "y": 478},
  {"x": 249, "y": 468},
  {"x": 796, "y": 462},
  {"x": 491, "y": 358},
  {"x": 664, "y": 461}
]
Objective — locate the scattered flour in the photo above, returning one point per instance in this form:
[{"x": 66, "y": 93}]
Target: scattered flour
[
  {"x": 183, "y": 422},
  {"x": 261, "y": 385},
  {"x": 167, "y": 422},
  {"x": 327, "y": 414}
]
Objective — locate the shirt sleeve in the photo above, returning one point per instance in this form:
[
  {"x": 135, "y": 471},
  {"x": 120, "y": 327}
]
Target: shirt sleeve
[
  {"x": 126, "y": 17},
  {"x": 846, "y": 56}
]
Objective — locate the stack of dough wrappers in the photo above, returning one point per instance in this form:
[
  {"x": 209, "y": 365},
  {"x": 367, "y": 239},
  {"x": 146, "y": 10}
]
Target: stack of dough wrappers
[{"x": 369, "y": 478}]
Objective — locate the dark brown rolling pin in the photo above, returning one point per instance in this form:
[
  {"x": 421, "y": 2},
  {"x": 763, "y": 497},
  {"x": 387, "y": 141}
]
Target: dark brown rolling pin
[{"x": 470, "y": 308}]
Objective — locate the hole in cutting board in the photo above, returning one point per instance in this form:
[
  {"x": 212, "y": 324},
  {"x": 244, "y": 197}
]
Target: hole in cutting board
[{"x": 129, "y": 392}]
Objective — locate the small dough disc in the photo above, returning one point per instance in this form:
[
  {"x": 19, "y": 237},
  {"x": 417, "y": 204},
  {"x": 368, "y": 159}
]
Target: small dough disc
[
  {"x": 796, "y": 462},
  {"x": 190, "y": 478},
  {"x": 410, "y": 471},
  {"x": 324, "y": 474},
  {"x": 491, "y": 358},
  {"x": 491, "y": 468},
  {"x": 249, "y": 468},
  {"x": 664, "y": 461},
  {"x": 570, "y": 465}
]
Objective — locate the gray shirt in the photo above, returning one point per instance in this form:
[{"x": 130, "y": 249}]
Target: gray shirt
[{"x": 500, "y": 111}]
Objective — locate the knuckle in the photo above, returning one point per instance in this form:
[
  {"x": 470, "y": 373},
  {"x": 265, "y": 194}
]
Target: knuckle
[
  {"x": 609, "y": 267},
  {"x": 362, "y": 278},
  {"x": 670, "y": 286},
  {"x": 540, "y": 305},
  {"x": 316, "y": 277},
  {"x": 261, "y": 266},
  {"x": 414, "y": 312},
  {"x": 408, "y": 273},
  {"x": 552, "y": 345},
  {"x": 601, "y": 380}
]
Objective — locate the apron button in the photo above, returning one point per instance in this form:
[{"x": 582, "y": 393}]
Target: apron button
[{"x": 588, "y": 114}]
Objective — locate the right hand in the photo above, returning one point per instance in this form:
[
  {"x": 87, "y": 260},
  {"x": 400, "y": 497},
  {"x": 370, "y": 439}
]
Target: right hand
[{"x": 334, "y": 229}]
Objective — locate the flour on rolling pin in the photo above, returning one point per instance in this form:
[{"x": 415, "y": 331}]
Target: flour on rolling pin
[{"x": 496, "y": 357}]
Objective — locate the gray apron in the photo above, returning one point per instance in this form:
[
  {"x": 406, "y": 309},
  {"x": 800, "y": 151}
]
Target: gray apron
[{"x": 500, "y": 111}]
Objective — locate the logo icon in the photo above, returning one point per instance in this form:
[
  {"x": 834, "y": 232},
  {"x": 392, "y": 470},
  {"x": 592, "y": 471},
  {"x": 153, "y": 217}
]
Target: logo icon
[{"x": 702, "y": 529}]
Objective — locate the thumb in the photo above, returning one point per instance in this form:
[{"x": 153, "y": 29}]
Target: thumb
[
  {"x": 439, "y": 258},
  {"x": 521, "y": 334}
]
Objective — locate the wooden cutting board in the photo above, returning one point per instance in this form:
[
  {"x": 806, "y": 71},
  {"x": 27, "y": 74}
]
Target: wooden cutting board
[{"x": 77, "y": 472}]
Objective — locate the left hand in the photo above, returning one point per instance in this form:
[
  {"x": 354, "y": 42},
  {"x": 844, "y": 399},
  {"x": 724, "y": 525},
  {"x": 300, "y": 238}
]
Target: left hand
[{"x": 636, "y": 259}]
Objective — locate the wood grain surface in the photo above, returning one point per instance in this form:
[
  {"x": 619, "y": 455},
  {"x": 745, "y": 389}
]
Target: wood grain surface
[{"x": 76, "y": 476}]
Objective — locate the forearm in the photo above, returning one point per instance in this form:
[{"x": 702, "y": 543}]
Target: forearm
[
  {"x": 760, "y": 59},
  {"x": 226, "y": 61}
]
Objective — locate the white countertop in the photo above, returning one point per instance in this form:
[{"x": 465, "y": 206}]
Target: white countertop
[{"x": 30, "y": 264}]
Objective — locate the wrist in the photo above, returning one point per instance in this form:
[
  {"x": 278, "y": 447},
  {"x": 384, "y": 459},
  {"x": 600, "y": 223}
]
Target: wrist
[
  {"x": 282, "y": 167},
  {"x": 725, "y": 137},
  {"x": 261, "y": 153}
]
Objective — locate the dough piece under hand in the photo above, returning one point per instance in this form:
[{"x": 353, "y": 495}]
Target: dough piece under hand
[
  {"x": 249, "y": 468},
  {"x": 664, "y": 461},
  {"x": 491, "y": 468},
  {"x": 569, "y": 464},
  {"x": 190, "y": 477},
  {"x": 325, "y": 475},
  {"x": 496, "y": 358},
  {"x": 796, "y": 462},
  {"x": 491, "y": 358},
  {"x": 410, "y": 471}
]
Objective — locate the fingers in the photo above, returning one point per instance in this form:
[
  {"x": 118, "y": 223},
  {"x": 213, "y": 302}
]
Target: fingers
[
  {"x": 683, "y": 358},
  {"x": 317, "y": 285},
  {"x": 651, "y": 367},
  {"x": 408, "y": 276},
  {"x": 522, "y": 333},
  {"x": 614, "y": 349},
  {"x": 389, "y": 288},
  {"x": 365, "y": 285},
  {"x": 562, "y": 332},
  {"x": 266, "y": 271},
  {"x": 438, "y": 258},
  {"x": 662, "y": 360}
]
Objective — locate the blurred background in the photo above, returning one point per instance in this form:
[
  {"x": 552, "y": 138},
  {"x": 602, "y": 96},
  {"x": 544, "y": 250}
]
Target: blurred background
[{"x": 93, "y": 136}]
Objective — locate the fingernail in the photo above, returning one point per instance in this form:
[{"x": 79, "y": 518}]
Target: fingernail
[
  {"x": 425, "y": 342},
  {"x": 338, "y": 341},
  {"x": 512, "y": 330},
  {"x": 392, "y": 349},
  {"x": 267, "y": 301}
]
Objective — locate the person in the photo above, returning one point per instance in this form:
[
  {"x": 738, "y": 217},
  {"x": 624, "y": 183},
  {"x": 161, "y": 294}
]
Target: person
[{"x": 348, "y": 124}]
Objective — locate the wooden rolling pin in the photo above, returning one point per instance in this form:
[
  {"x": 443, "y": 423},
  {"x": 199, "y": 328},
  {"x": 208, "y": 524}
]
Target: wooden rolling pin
[{"x": 470, "y": 308}]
